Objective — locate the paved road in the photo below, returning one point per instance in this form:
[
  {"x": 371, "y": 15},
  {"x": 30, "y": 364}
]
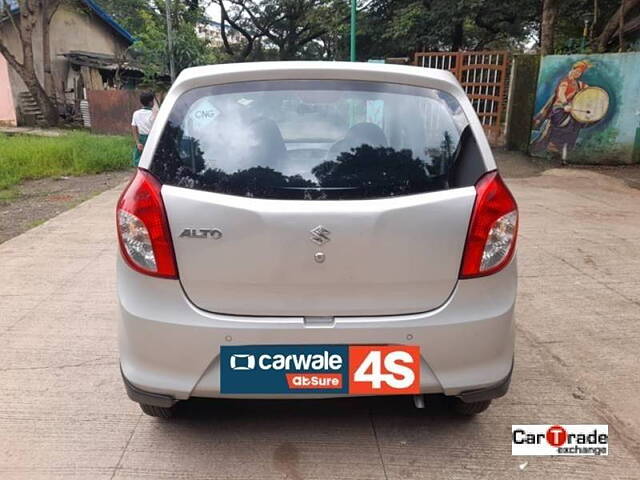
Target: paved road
[{"x": 64, "y": 413}]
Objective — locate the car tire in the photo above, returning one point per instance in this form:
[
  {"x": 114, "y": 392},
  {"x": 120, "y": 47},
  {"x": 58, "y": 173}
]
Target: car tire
[
  {"x": 469, "y": 409},
  {"x": 158, "y": 412}
]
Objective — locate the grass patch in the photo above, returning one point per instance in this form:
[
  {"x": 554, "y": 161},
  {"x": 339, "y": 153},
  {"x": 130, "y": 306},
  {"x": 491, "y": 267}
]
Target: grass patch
[
  {"x": 35, "y": 223},
  {"x": 24, "y": 157},
  {"x": 8, "y": 194}
]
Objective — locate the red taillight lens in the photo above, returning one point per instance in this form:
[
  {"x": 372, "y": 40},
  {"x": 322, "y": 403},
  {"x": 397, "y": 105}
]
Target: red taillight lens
[
  {"x": 491, "y": 239},
  {"x": 143, "y": 231}
]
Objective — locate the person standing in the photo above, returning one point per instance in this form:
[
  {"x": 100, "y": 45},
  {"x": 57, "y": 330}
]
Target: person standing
[{"x": 141, "y": 123}]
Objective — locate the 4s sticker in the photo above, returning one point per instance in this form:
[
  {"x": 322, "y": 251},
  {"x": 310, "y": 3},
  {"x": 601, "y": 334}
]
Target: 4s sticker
[{"x": 384, "y": 370}]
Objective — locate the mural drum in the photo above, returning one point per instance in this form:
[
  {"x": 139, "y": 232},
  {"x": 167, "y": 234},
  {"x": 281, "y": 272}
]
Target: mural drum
[{"x": 587, "y": 108}]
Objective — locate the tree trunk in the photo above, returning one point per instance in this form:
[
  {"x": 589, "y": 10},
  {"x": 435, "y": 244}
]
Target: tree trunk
[
  {"x": 249, "y": 38},
  {"x": 549, "y": 14},
  {"x": 612, "y": 26},
  {"x": 30, "y": 79},
  {"x": 287, "y": 50},
  {"x": 49, "y": 85},
  {"x": 621, "y": 27},
  {"x": 28, "y": 20},
  {"x": 223, "y": 29},
  {"x": 457, "y": 38},
  {"x": 29, "y": 15},
  {"x": 283, "y": 54}
]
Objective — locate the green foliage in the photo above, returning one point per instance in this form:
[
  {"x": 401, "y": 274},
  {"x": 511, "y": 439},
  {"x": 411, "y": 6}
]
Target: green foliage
[
  {"x": 298, "y": 29},
  {"x": 128, "y": 13},
  {"x": 570, "y": 24},
  {"x": 408, "y": 26},
  {"x": 25, "y": 157},
  {"x": 8, "y": 195},
  {"x": 397, "y": 27},
  {"x": 150, "y": 49},
  {"x": 146, "y": 20},
  {"x": 572, "y": 46},
  {"x": 319, "y": 29}
]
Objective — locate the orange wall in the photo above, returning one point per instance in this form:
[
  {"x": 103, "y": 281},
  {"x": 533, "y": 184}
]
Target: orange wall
[{"x": 7, "y": 109}]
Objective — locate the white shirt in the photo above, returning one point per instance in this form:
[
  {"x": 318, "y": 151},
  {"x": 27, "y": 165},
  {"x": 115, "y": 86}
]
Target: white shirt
[{"x": 143, "y": 119}]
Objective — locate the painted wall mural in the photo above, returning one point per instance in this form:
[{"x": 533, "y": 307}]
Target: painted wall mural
[{"x": 587, "y": 108}]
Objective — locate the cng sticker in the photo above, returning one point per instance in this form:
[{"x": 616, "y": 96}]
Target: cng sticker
[
  {"x": 203, "y": 113},
  {"x": 384, "y": 370}
]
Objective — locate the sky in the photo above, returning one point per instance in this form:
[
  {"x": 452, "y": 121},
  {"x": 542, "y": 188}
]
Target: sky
[{"x": 214, "y": 12}]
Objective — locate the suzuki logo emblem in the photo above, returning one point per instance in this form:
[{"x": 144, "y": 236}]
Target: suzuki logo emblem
[{"x": 320, "y": 235}]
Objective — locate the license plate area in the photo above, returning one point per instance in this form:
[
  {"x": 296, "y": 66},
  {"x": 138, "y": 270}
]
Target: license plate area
[{"x": 320, "y": 369}]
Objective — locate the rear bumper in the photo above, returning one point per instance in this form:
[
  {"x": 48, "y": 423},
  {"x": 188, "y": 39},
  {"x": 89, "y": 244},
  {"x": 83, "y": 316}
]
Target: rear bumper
[
  {"x": 169, "y": 349},
  {"x": 138, "y": 395},
  {"x": 488, "y": 393},
  {"x": 166, "y": 401}
]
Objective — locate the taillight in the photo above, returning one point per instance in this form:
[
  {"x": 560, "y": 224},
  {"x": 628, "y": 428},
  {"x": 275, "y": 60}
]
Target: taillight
[
  {"x": 491, "y": 239},
  {"x": 143, "y": 231}
]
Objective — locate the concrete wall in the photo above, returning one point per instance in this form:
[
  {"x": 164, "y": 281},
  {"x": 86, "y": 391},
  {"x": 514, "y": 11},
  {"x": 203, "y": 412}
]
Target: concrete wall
[
  {"x": 522, "y": 96},
  {"x": 10, "y": 39},
  {"x": 602, "y": 126},
  {"x": 71, "y": 29},
  {"x": 7, "y": 108}
]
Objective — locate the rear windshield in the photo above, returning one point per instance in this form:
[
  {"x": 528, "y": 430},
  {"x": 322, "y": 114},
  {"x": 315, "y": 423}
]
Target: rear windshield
[{"x": 313, "y": 140}]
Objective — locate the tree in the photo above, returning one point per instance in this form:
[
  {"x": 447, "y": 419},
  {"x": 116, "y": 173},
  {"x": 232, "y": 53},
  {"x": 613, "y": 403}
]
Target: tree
[
  {"x": 131, "y": 14},
  {"x": 32, "y": 11},
  {"x": 603, "y": 19},
  {"x": 398, "y": 27},
  {"x": 504, "y": 25},
  {"x": 146, "y": 20},
  {"x": 618, "y": 24},
  {"x": 234, "y": 17},
  {"x": 549, "y": 15},
  {"x": 290, "y": 25}
]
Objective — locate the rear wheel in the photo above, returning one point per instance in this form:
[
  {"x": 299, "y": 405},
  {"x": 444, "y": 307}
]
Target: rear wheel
[
  {"x": 469, "y": 409},
  {"x": 159, "y": 412}
]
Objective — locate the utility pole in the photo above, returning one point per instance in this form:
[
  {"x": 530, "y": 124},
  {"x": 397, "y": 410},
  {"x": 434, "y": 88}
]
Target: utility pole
[
  {"x": 172, "y": 67},
  {"x": 353, "y": 30}
]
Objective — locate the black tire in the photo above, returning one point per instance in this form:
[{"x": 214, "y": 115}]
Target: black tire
[
  {"x": 469, "y": 409},
  {"x": 159, "y": 412}
]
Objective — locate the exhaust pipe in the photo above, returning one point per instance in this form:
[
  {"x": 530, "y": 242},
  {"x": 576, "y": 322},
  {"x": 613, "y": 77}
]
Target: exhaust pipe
[{"x": 418, "y": 401}]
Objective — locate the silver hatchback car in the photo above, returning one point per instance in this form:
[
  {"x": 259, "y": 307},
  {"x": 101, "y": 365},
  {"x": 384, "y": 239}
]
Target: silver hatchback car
[{"x": 311, "y": 229}]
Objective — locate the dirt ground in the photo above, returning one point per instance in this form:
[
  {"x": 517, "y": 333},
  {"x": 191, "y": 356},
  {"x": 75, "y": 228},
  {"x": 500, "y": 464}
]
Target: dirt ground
[
  {"x": 65, "y": 415},
  {"x": 518, "y": 165},
  {"x": 36, "y": 201}
]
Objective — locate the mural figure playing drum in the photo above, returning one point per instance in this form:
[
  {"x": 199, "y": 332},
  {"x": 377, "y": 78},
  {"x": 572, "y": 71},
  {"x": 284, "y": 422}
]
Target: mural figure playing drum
[{"x": 573, "y": 106}]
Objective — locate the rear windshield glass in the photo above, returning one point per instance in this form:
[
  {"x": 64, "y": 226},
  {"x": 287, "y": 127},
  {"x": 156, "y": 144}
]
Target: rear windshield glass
[{"x": 313, "y": 140}]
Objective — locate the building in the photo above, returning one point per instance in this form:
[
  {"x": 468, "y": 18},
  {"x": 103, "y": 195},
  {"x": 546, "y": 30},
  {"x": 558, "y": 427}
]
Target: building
[
  {"x": 211, "y": 31},
  {"x": 88, "y": 51}
]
